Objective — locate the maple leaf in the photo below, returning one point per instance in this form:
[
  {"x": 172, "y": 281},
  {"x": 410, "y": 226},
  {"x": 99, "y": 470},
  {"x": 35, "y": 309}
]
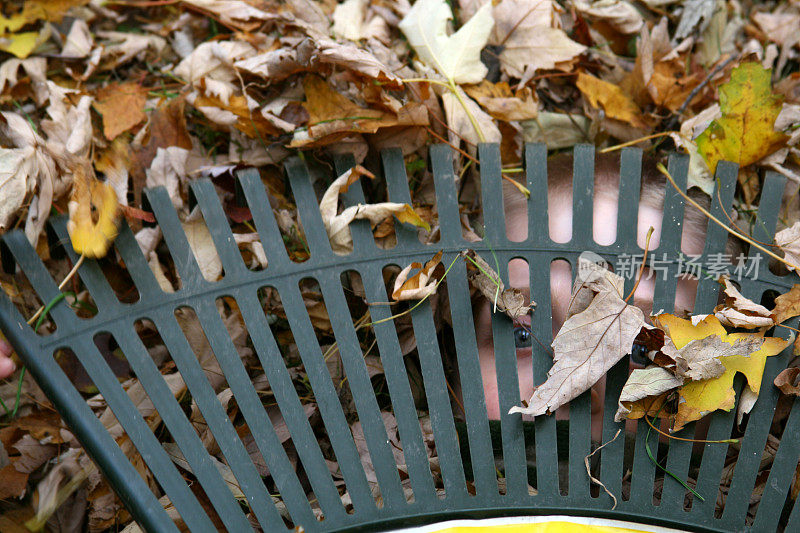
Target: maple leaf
[
  {"x": 589, "y": 343},
  {"x": 698, "y": 398},
  {"x": 528, "y": 42},
  {"x": 744, "y": 134},
  {"x": 457, "y": 57},
  {"x": 93, "y": 214}
]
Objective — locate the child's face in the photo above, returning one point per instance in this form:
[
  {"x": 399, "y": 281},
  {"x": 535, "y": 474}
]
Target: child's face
[{"x": 560, "y": 209}]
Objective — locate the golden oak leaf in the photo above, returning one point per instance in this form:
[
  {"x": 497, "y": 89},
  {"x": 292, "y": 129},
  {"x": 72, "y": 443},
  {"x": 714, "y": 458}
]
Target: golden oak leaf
[
  {"x": 93, "y": 214},
  {"x": 122, "y": 107},
  {"x": 698, "y": 398},
  {"x": 745, "y": 132},
  {"x": 609, "y": 97}
]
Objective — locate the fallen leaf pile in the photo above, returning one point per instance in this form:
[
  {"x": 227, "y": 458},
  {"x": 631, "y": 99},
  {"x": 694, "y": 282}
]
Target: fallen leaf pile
[
  {"x": 693, "y": 360},
  {"x": 101, "y": 100}
]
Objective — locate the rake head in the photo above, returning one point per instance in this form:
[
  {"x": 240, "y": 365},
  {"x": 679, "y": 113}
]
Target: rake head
[{"x": 290, "y": 454}]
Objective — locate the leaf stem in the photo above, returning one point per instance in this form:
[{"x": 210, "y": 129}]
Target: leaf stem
[
  {"x": 644, "y": 262},
  {"x": 44, "y": 309},
  {"x": 650, "y": 455},
  {"x": 471, "y": 117},
  {"x": 636, "y": 141},
  {"x": 723, "y": 441}
]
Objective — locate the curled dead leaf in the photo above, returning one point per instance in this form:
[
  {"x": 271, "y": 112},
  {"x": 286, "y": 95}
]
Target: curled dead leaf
[
  {"x": 787, "y": 305},
  {"x": 740, "y": 312},
  {"x": 423, "y": 283},
  {"x": 788, "y": 240},
  {"x": 338, "y": 225},
  {"x": 644, "y": 383},
  {"x": 787, "y": 381},
  {"x": 510, "y": 301}
]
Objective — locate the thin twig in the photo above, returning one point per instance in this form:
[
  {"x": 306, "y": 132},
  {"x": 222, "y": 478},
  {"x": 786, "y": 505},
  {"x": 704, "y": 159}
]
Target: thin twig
[
  {"x": 703, "y": 84},
  {"x": 72, "y": 272},
  {"x": 589, "y": 472},
  {"x": 745, "y": 238},
  {"x": 636, "y": 141},
  {"x": 641, "y": 267}
]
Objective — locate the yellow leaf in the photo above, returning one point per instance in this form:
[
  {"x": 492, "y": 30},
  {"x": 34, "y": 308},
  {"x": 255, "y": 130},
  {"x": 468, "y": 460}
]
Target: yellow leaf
[
  {"x": 19, "y": 44},
  {"x": 409, "y": 216},
  {"x": 13, "y": 23},
  {"x": 93, "y": 214},
  {"x": 612, "y": 99},
  {"x": 745, "y": 132},
  {"x": 698, "y": 398}
]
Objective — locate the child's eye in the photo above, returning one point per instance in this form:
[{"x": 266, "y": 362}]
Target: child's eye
[
  {"x": 639, "y": 354},
  {"x": 522, "y": 337}
]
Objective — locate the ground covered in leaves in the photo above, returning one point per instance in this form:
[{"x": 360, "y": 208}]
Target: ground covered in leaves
[{"x": 100, "y": 100}]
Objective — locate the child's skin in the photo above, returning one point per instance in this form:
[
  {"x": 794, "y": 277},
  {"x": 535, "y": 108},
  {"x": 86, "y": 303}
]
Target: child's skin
[
  {"x": 7, "y": 366},
  {"x": 560, "y": 229}
]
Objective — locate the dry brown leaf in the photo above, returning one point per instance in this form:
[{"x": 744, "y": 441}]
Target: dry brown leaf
[
  {"x": 14, "y": 483},
  {"x": 788, "y": 240},
  {"x": 619, "y": 14},
  {"x": 644, "y": 383},
  {"x": 333, "y": 116},
  {"x": 702, "y": 358},
  {"x": 787, "y": 381},
  {"x": 205, "y": 253},
  {"x": 351, "y": 21},
  {"x": 510, "y": 301},
  {"x": 740, "y": 312},
  {"x": 234, "y": 12},
  {"x": 356, "y": 60},
  {"x": 338, "y": 225},
  {"x": 503, "y": 104},
  {"x": 420, "y": 285},
  {"x": 529, "y": 42},
  {"x": 235, "y": 113},
  {"x": 167, "y": 128},
  {"x": 611, "y": 98},
  {"x": 460, "y": 124},
  {"x": 787, "y": 305},
  {"x": 587, "y": 346},
  {"x": 122, "y": 107}
]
